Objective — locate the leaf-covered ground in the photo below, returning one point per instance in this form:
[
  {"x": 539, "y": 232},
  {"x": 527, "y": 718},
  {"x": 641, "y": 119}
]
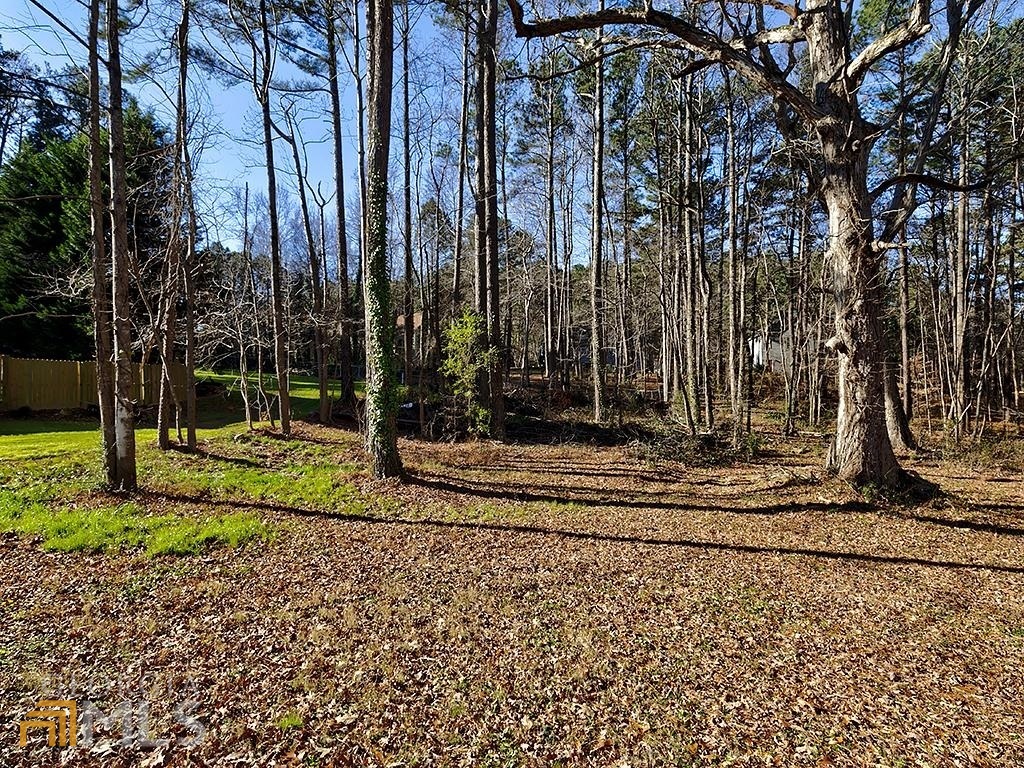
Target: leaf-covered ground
[{"x": 532, "y": 605}]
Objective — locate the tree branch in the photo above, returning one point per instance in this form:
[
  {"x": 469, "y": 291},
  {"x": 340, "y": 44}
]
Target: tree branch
[
  {"x": 581, "y": 63},
  {"x": 731, "y": 53},
  {"x": 791, "y": 33},
  {"x": 923, "y": 179},
  {"x": 64, "y": 26},
  {"x": 914, "y": 28}
]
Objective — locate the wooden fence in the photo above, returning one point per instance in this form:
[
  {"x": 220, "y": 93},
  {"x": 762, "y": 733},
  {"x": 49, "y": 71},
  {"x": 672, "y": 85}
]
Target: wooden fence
[{"x": 50, "y": 385}]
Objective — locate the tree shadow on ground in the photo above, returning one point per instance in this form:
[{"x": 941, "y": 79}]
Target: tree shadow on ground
[
  {"x": 514, "y": 493},
  {"x": 548, "y": 494},
  {"x": 36, "y": 423},
  {"x": 959, "y": 524},
  {"x": 535, "y": 530},
  {"x": 240, "y": 461},
  {"x": 603, "y": 495},
  {"x": 656, "y": 476}
]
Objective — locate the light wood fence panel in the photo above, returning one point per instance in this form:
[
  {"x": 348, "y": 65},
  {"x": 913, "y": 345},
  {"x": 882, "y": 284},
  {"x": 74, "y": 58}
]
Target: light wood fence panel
[{"x": 51, "y": 385}]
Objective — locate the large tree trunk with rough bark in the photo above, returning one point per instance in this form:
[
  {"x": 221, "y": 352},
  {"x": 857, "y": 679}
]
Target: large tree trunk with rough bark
[
  {"x": 381, "y": 393},
  {"x": 861, "y": 452}
]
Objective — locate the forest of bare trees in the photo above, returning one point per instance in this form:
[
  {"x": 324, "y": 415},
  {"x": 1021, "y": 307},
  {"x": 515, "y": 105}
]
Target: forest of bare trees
[{"x": 723, "y": 214}]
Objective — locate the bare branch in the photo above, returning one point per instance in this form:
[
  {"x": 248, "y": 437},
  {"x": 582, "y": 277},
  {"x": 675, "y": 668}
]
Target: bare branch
[
  {"x": 591, "y": 61},
  {"x": 914, "y": 28},
  {"x": 63, "y": 25},
  {"x": 730, "y": 53},
  {"x": 925, "y": 180}
]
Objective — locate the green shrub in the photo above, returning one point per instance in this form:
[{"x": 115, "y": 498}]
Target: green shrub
[{"x": 467, "y": 358}]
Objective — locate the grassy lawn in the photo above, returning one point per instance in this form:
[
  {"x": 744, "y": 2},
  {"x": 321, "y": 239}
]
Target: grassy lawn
[
  {"x": 506, "y": 605},
  {"x": 50, "y": 472}
]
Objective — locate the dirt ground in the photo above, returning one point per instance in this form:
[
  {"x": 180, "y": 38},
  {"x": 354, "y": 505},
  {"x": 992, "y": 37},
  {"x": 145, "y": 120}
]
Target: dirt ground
[{"x": 546, "y": 605}]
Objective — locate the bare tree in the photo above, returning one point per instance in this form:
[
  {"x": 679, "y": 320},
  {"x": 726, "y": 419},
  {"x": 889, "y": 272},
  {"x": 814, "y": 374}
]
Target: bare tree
[
  {"x": 253, "y": 24},
  {"x": 316, "y": 263}
]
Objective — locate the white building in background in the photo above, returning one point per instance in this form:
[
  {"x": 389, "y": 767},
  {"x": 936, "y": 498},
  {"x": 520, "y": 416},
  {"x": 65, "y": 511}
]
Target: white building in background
[
  {"x": 768, "y": 353},
  {"x": 771, "y": 353}
]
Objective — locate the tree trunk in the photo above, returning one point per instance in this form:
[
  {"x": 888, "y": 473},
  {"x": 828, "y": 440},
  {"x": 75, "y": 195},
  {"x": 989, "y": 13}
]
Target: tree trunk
[
  {"x": 179, "y": 215},
  {"x": 597, "y": 240},
  {"x": 491, "y": 265},
  {"x": 101, "y": 307},
  {"x": 347, "y": 393},
  {"x": 190, "y": 261},
  {"x": 360, "y": 136},
  {"x": 690, "y": 263},
  {"x": 896, "y": 421},
  {"x": 861, "y": 452},
  {"x": 407, "y": 286},
  {"x": 480, "y": 193},
  {"x": 735, "y": 278},
  {"x": 169, "y": 301},
  {"x": 124, "y": 416},
  {"x": 550, "y": 332},
  {"x": 961, "y": 355},
  {"x": 276, "y": 274},
  {"x": 381, "y": 393},
  {"x": 191, "y": 412},
  {"x": 460, "y": 204}
]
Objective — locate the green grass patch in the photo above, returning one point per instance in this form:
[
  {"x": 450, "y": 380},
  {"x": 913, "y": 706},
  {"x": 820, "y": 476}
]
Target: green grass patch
[
  {"x": 302, "y": 485},
  {"x": 123, "y": 527},
  {"x": 183, "y": 536},
  {"x": 289, "y": 720},
  {"x": 47, "y": 466},
  {"x": 304, "y": 391}
]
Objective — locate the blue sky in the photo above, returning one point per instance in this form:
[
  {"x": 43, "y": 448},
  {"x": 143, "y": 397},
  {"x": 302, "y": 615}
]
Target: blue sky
[
  {"x": 27, "y": 29},
  {"x": 234, "y": 154}
]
